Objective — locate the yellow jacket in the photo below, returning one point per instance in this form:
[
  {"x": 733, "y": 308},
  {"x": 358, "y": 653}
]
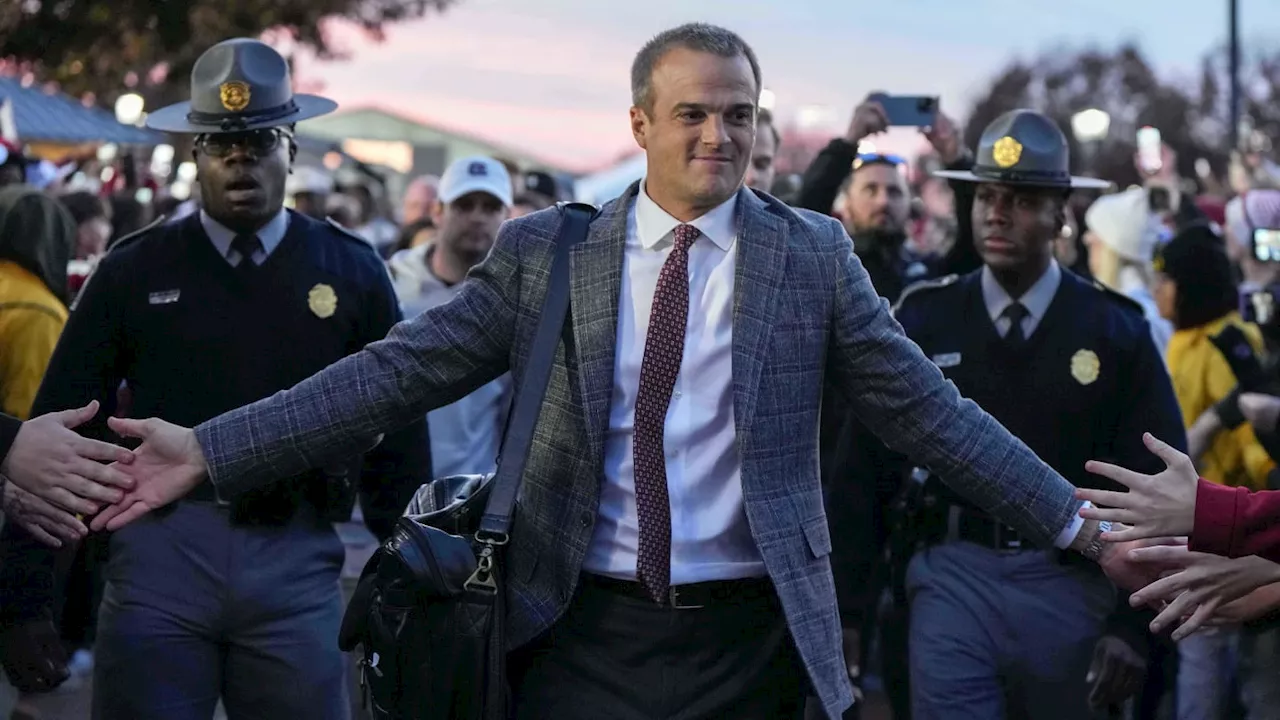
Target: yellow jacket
[
  {"x": 1201, "y": 378},
  {"x": 31, "y": 320}
]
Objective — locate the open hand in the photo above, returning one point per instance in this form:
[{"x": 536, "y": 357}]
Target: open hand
[
  {"x": 1202, "y": 584},
  {"x": 1128, "y": 574},
  {"x": 45, "y": 521},
  {"x": 1260, "y": 410},
  {"x": 1116, "y": 673},
  {"x": 1162, "y": 505},
  {"x": 167, "y": 466},
  {"x": 51, "y": 461}
]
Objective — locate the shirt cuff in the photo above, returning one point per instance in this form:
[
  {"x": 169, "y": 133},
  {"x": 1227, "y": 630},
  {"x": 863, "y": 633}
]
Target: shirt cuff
[
  {"x": 1215, "y": 519},
  {"x": 1069, "y": 533}
]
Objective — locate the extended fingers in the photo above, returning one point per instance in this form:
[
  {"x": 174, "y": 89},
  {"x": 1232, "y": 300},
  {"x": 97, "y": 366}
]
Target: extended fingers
[
  {"x": 1197, "y": 619},
  {"x": 1179, "y": 608},
  {"x": 1128, "y": 478},
  {"x": 1170, "y": 455},
  {"x": 105, "y": 483},
  {"x": 99, "y": 522},
  {"x": 58, "y": 497},
  {"x": 102, "y": 452},
  {"x": 1161, "y": 589},
  {"x": 1165, "y": 554},
  {"x": 38, "y": 533},
  {"x": 133, "y": 512}
]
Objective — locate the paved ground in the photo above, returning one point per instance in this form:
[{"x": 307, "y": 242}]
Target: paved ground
[{"x": 73, "y": 703}]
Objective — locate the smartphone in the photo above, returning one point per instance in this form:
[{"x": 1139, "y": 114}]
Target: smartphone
[
  {"x": 1266, "y": 245},
  {"x": 1150, "y": 156},
  {"x": 908, "y": 110},
  {"x": 1159, "y": 200}
]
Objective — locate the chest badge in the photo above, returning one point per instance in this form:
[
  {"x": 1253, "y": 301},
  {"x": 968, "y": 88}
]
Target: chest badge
[
  {"x": 322, "y": 301},
  {"x": 946, "y": 360},
  {"x": 1085, "y": 366}
]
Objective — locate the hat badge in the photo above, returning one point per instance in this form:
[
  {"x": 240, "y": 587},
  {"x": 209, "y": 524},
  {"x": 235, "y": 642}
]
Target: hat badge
[
  {"x": 1006, "y": 152},
  {"x": 234, "y": 95}
]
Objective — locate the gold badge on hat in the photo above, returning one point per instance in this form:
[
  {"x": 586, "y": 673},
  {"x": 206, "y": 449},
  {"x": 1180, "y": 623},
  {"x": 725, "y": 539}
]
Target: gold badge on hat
[
  {"x": 322, "y": 301},
  {"x": 1085, "y": 366},
  {"x": 1006, "y": 152},
  {"x": 235, "y": 95}
]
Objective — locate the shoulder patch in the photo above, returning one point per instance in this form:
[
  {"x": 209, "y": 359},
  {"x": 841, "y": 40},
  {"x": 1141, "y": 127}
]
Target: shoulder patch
[
  {"x": 1121, "y": 298},
  {"x": 348, "y": 234},
  {"x": 922, "y": 287},
  {"x": 137, "y": 234}
]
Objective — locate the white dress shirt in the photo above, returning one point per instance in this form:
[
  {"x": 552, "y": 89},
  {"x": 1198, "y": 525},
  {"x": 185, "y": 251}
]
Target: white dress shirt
[
  {"x": 710, "y": 537},
  {"x": 1036, "y": 300}
]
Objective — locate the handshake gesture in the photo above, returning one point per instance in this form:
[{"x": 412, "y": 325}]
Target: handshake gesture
[{"x": 1189, "y": 589}]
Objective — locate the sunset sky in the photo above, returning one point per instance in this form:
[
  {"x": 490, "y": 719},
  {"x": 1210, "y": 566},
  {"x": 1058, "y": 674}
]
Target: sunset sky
[{"x": 552, "y": 75}]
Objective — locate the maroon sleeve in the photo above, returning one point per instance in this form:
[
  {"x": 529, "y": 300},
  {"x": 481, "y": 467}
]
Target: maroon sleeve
[{"x": 1236, "y": 523}]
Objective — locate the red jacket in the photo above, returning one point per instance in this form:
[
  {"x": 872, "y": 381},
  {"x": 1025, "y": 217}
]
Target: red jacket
[{"x": 1235, "y": 522}]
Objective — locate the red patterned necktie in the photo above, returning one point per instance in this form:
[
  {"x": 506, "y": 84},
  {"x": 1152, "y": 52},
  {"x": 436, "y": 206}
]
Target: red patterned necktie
[{"x": 663, "y": 350}]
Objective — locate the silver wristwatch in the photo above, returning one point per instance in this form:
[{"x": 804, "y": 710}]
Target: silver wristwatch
[{"x": 1094, "y": 550}]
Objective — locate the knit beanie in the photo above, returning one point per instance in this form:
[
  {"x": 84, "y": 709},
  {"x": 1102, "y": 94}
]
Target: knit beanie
[{"x": 1123, "y": 222}]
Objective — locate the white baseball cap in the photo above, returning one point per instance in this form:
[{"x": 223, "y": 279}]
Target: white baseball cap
[
  {"x": 306, "y": 178},
  {"x": 476, "y": 174}
]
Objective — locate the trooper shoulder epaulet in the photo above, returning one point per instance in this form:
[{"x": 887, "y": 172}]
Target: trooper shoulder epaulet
[
  {"x": 1121, "y": 298},
  {"x": 348, "y": 234},
  {"x": 924, "y": 286},
  {"x": 137, "y": 234}
]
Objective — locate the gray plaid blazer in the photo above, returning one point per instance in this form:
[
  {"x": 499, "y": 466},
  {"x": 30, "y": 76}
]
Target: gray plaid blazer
[{"x": 803, "y": 309}]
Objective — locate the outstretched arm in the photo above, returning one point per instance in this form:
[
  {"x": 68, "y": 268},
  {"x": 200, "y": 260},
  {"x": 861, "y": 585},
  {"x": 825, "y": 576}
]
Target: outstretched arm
[{"x": 429, "y": 361}]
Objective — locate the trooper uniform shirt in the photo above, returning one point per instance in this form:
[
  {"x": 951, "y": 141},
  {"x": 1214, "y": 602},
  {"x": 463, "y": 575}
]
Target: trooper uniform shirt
[
  {"x": 194, "y": 336},
  {"x": 1085, "y": 384}
]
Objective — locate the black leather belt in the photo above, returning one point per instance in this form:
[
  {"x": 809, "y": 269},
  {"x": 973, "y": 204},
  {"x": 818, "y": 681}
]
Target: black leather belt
[
  {"x": 688, "y": 597},
  {"x": 982, "y": 529}
]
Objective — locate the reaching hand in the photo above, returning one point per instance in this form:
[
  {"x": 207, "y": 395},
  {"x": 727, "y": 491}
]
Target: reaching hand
[
  {"x": 1256, "y": 605},
  {"x": 1116, "y": 673},
  {"x": 54, "y": 463},
  {"x": 945, "y": 139},
  {"x": 46, "y": 522},
  {"x": 1162, "y": 505},
  {"x": 167, "y": 465},
  {"x": 1203, "y": 584},
  {"x": 1124, "y": 571},
  {"x": 1260, "y": 410},
  {"x": 869, "y": 118}
]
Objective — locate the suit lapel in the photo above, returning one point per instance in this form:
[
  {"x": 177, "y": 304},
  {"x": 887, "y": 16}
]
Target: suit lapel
[
  {"x": 761, "y": 263},
  {"x": 596, "y": 281}
]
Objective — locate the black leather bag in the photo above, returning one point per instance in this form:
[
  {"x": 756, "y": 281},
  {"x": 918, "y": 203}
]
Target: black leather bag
[{"x": 429, "y": 609}]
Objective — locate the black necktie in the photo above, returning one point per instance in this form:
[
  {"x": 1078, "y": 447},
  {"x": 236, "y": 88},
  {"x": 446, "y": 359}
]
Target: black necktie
[
  {"x": 246, "y": 246},
  {"x": 1017, "y": 312}
]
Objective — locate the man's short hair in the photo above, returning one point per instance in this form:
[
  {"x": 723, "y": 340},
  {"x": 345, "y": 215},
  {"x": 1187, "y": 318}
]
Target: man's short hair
[
  {"x": 700, "y": 37},
  {"x": 765, "y": 117}
]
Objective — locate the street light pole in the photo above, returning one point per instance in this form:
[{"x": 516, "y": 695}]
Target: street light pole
[{"x": 1233, "y": 22}]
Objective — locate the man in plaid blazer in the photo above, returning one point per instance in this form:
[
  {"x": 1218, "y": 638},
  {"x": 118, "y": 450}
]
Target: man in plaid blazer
[{"x": 685, "y": 575}]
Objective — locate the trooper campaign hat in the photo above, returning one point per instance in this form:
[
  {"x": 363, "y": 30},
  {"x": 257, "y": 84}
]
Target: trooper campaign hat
[
  {"x": 1023, "y": 148},
  {"x": 238, "y": 85}
]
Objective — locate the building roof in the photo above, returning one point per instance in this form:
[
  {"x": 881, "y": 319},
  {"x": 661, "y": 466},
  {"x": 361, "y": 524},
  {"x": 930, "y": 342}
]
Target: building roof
[
  {"x": 59, "y": 118},
  {"x": 376, "y": 123}
]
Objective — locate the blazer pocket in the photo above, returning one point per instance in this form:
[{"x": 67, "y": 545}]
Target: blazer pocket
[{"x": 818, "y": 535}]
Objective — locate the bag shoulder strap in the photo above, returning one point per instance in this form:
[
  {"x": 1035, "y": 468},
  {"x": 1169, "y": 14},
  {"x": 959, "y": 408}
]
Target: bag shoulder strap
[{"x": 496, "y": 522}]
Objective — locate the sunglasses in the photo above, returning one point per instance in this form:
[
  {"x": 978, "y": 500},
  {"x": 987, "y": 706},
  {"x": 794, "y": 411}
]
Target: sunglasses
[
  {"x": 257, "y": 143},
  {"x": 877, "y": 158}
]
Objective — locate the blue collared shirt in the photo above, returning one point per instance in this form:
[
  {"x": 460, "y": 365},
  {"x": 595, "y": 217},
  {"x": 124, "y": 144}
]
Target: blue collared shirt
[
  {"x": 269, "y": 235},
  {"x": 1036, "y": 299}
]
